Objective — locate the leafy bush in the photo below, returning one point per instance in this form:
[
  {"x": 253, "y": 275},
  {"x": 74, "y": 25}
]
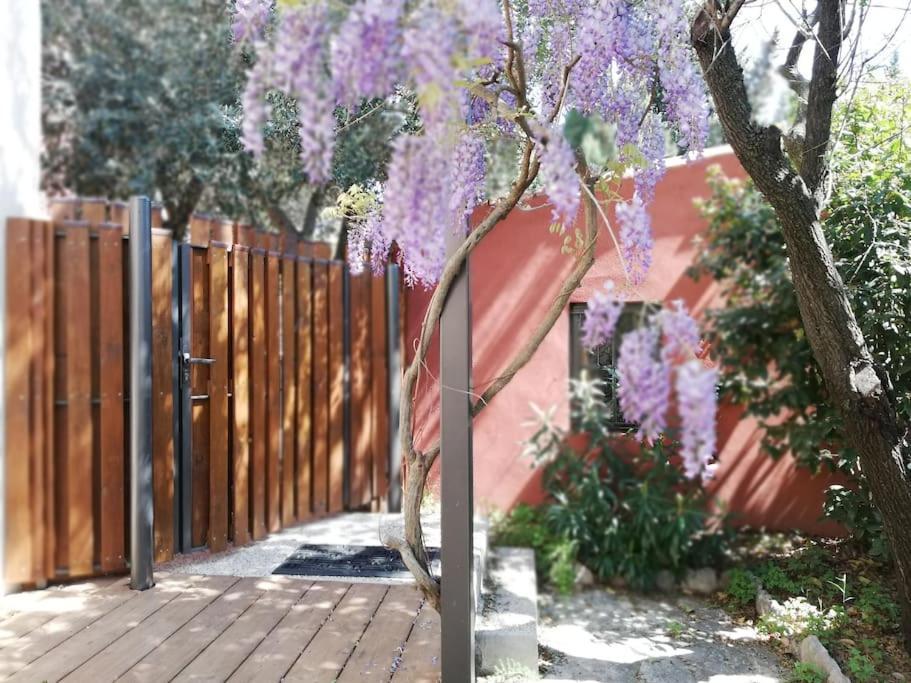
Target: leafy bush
[
  {"x": 805, "y": 672},
  {"x": 629, "y": 510},
  {"x": 741, "y": 590},
  {"x": 766, "y": 362}
]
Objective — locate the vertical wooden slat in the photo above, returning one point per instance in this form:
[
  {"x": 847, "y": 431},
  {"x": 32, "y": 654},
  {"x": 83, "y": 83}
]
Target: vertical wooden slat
[
  {"x": 110, "y": 399},
  {"x": 79, "y": 478},
  {"x": 380, "y": 391},
  {"x": 199, "y": 385},
  {"x": 162, "y": 396},
  {"x": 320, "y": 388},
  {"x": 240, "y": 391},
  {"x": 18, "y": 551},
  {"x": 258, "y": 393},
  {"x": 361, "y": 415},
  {"x": 36, "y": 395},
  {"x": 274, "y": 406},
  {"x": 289, "y": 391},
  {"x": 61, "y": 408},
  {"x": 304, "y": 440},
  {"x": 218, "y": 398},
  {"x": 336, "y": 387},
  {"x": 47, "y": 381}
]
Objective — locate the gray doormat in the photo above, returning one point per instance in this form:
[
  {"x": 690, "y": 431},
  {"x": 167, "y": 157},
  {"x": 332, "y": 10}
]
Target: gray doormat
[{"x": 359, "y": 561}]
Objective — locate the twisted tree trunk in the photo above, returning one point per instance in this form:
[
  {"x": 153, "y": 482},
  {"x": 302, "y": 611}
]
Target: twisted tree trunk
[{"x": 859, "y": 388}]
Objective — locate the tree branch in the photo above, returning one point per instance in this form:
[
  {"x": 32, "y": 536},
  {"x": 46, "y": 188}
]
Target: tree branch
[
  {"x": 822, "y": 93},
  {"x": 529, "y": 170},
  {"x": 584, "y": 261}
]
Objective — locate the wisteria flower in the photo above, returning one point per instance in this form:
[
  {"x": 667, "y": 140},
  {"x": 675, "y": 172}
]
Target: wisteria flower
[
  {"x": 697, "y": 404},
  {"x": 644, "y": 382},
  {"x": 681, "y": 333},
  {"x": 558, "y": 172},
  {"x": 601, "y": 316},
  {"x": 250, "y": 19},
  {"x": 635, "y": 239},
  {"x": 366, "y": 59}
]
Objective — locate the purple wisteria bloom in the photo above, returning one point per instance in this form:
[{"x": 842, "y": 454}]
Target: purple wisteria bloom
[
  {"x": 697, "y": 403},
  {"x": 416, "y": 205},
  {"x": 469, "y": 169},
  {"x": 681, "y": 333},
  {"x": 635, "y": 239},
  {"x": 250, "y": 19},
  {"x": 558, "y": 173},
  {"x": 300, "y": 60},
  {"x": 601, "y": 316},
  {"x": 366, "y": 62},
  {"x": 644, "y": 382}
]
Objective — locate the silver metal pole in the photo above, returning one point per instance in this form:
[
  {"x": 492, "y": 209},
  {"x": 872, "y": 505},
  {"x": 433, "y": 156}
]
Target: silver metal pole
[
  {"x": 141, "y": 393},
  {"x": 394, "y": 497},
  {"x": 457, "y": 481}
]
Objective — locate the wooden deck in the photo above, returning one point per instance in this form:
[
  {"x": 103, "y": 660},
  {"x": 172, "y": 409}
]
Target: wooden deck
[{"x": 217, "y": 628}]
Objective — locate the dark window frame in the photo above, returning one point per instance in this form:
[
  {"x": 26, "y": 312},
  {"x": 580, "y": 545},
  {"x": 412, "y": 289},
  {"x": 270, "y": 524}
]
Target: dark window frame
[{"x": 601, "y": 362}]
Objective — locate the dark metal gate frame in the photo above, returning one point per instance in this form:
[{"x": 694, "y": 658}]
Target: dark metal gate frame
[{"x": 182, "y": 313}]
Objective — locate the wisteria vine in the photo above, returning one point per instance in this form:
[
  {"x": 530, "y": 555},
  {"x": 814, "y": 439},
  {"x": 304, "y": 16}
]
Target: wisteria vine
[{"x": 480, "y": 70}]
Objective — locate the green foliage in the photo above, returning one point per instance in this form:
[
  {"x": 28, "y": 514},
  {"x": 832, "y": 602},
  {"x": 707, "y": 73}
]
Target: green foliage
[
  {"x": 526, "y": 527},
  {"x": 766, "y": 362},
  {"x": 675, "y": 629},
  {"x": 876, "y": 608},
  {"x": 805, "y": 672},
  {"x": 562, "y": 561},
  {"x": 775, "y": 580},
  {"x": 741, "y": 590},
  {"x": 628, "y": 509},
  {"x": 861, "y": 667},
  {"x": 143, "y": 96}
]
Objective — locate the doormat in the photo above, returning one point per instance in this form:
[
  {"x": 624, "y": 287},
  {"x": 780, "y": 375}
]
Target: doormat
[{"x": 360, "y": 561}]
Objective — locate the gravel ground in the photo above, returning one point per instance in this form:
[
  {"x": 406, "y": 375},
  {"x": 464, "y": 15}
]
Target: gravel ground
[
  {"x": 262, "y": 557},
  {"x": 612, "y": 636}
]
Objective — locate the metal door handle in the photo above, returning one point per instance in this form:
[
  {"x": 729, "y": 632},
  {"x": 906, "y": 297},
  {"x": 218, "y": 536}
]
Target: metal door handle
[{"x": 189, "y": 360}]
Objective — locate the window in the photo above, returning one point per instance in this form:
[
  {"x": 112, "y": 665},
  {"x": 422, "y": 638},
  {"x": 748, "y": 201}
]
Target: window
[{"x": 600, "y": 363}]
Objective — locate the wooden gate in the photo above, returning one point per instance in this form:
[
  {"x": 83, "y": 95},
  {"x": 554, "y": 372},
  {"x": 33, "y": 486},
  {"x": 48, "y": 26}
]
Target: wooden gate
[{"x": 270, "y": 389}]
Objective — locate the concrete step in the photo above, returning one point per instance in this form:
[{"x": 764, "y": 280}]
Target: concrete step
[{"x": 506, "y": 631}]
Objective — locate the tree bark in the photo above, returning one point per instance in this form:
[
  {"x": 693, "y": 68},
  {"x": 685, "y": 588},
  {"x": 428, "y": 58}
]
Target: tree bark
[{"x": 858, "y": 387}]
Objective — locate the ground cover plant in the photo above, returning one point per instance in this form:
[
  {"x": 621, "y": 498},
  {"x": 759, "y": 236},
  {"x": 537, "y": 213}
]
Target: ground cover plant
[{"x": 831, "y": 589}]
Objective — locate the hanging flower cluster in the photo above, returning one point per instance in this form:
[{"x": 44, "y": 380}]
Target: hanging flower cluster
[
  {"x": 652, "y": 357},
  {"x": 482, "y": 69}
]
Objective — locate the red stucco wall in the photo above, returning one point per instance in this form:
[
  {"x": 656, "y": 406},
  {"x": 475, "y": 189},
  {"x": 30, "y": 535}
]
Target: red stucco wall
[{"x": 515, "y": 274}]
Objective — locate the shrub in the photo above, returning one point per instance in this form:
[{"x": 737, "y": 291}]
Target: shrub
[
  {"x": 805, "y": 672},
  {"x": 628, "y": 514},
  {"x": 741, "y": 590}
]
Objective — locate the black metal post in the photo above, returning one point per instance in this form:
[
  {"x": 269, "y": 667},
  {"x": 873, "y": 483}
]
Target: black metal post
[
  {"x": 394, "y": 497},
  {"x": 141, "y": 393},
  {"x": 457, "y": 482}
]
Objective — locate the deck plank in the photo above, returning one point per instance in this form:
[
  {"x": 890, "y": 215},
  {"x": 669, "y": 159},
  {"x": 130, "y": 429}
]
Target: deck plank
[
  {"x": 71, "y": 612},
  {"x": 273, "y": 657},
  {"x": 227, "y": 652},
  {"x": 72, "y": 652},
  {"x": 325, "y": 656},
  {"x": 117, "y": 658},
  {"x": 192, "y": 638},
  {"x": 421, "y": 660},
  {"x": 380, "y": 648}
]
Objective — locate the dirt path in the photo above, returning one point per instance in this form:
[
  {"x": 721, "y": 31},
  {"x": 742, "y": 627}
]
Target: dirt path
[{"x": 610, "y": 636}]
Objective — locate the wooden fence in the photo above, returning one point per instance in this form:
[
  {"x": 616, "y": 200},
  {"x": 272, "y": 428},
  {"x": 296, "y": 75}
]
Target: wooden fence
[{"x": 270, "y": 401}]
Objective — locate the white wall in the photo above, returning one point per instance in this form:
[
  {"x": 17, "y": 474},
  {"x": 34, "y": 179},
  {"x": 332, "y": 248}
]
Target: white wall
[{"x": 20, "y": 155}]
